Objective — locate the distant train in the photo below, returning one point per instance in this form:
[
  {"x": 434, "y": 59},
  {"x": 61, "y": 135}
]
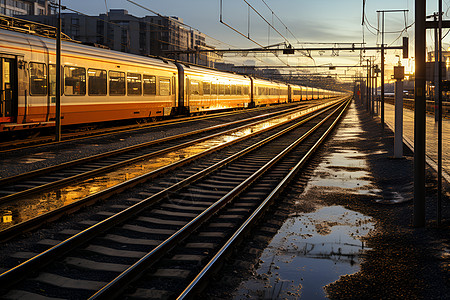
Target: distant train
[{"x": 103, "y": 85}]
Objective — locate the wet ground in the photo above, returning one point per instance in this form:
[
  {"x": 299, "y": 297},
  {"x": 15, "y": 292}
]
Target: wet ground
[
  {"x": 309, "y": 251},
  {"x": 343, "y": 230}
]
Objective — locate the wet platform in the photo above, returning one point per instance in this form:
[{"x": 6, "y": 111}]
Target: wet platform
[
  {"x": 431, "y": 136},
  {"x": 347, "y": 232}
]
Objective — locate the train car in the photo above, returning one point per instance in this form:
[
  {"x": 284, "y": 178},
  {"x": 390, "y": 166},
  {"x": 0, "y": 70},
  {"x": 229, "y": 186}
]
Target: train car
[
  {"x": 314, "y": 93},
  {"x": 97, "y": 84},
  {"x": 295, "y": 93},
  {"x": 320, "y": 94},
  {"x": 307, "y": 93},
  {"x": 204, "y": 89},
  {"x": 284, "y": 93},
  {"x": 268, "y": 92}
]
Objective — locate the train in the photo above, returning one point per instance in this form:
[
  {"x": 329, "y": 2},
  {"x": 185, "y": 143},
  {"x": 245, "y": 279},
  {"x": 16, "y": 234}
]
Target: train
[{"x": 100, "y": 85}]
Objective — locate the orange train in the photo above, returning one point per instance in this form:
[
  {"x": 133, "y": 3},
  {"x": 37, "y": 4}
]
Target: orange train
[{"x": 103, "y": 85}]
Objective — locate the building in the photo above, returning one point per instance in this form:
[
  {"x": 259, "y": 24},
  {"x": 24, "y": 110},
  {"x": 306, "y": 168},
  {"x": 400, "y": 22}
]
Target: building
[
  {"x": 149, "y": 35},
  {"x": 26, "y": 7}
]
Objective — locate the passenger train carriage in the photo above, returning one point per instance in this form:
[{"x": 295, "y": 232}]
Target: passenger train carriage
[
  {"x": 268, "y": 92},
  {"x": 103, "y": 85},
  {"x": 206, "y": 89}
]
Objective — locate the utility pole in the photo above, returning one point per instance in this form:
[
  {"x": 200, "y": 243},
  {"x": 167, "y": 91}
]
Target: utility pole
[
  {"x": 382, "y": 72},
  {"x": 58, "y": 78},
  {"x": 377, "y": 111},
  {"x": 439, "y": 113},
  {"x": 382, "y": 58},
  {"x": 399, "y": 74},
  {"x": 437, "y": 66},
  {"x": 419, "y": 115},
  {"x": 367, "y": 85}
]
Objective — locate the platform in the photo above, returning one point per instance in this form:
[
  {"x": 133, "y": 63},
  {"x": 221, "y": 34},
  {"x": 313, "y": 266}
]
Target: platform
[{"x": 431, "y": 137}]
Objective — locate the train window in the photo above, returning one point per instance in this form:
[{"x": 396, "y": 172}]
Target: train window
[
  {"x": 239, "y": 90},
  {"x": 206, "y": 88},
  {"x": 149, "y": 85},
  {"x": 227, "y": 89},
  {"x": 233, "y": 89},
  {"x": 164, "y": 87},
  {"x": 221, "y": 89},
  {"x": 134, "y": 84},
  {"x": 116, "y": 83},
  {"x": 97, "y": 82},
  {"x": 52, "y": 80},
  {"x": 195, "y": 87},
  {"x": 38, "y": 79},
  {"x": 246, "y": 90},
  {"x": 213, "y": 88},
  {"x": 74, "y": 81}
]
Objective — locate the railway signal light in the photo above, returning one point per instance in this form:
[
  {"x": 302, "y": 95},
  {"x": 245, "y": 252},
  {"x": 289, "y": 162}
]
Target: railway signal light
[
  {"x": 289, "y": 50},
  {"x": 405, "y": 46}
]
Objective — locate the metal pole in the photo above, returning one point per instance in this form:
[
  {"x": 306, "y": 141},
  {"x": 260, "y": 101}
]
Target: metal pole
[
  {"x": 382, "y": 70},
  {"x": 398, "y": 134},
  {"x": 370, "y": 86},
  {"x": 58, "y": 78},
  {"x": 436, "y": 71},
  {"x": 419, "y": 115},
  {"x": 372, "y": 103},
  {"x": 367, "y": 85},
  {"x": 439, "y": 192},
  {"x": 376, "y": 92}
]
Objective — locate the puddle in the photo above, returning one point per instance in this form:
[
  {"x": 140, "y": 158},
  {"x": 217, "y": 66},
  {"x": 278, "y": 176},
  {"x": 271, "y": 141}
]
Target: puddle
[
  {"x": 344, "y": 169},
  {"x": 309, "y": 252},
  {"x": 34, "y": 205}
]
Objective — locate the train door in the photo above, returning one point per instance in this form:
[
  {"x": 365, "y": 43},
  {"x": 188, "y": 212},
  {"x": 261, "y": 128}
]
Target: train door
[{"x": 8, "y": 92}]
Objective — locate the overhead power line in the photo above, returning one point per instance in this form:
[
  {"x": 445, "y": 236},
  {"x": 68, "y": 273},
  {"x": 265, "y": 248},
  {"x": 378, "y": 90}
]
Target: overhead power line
[{"x": 285, "y": 26}]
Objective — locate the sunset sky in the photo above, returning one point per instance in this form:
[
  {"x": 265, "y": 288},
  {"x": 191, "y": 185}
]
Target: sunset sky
[{"x": 318, "y": 21}]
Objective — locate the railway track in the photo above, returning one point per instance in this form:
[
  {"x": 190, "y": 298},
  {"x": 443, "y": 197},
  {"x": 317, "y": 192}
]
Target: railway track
[
  {"x": 43, "y": 179},
  {"x": 37, "y": 141},
  {"x": 43, "y": 185},
  {"x": 162, "y": 243}
]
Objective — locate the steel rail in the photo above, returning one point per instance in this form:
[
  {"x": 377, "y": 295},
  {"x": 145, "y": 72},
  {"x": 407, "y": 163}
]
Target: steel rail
[
  {"x": 99, "y": 170},
  {"x": 193, "y": 286},
  {"x": 17, "y": 273},
  {"x": 115, "y": 286},
  {"x": 38, "y": 221},
  {"x": 126, "y": 129},
  {"x": 27, "y": 175}
]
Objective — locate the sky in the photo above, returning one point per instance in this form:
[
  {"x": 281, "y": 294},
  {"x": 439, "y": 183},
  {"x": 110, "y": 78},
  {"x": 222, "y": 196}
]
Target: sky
[{"x": 318, "y": 21}]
